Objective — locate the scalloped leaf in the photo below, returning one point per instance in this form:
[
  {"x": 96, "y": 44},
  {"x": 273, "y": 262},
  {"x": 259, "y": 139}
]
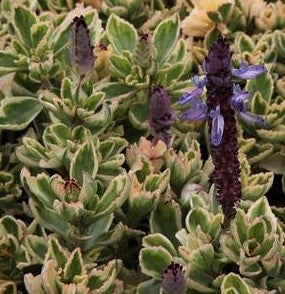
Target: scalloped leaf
[
  {"x": 154, "y": 260},
  {"x": 233, "y": 283},
  {"x": 16, "y": 113},
  {"x": 166, "y": 219},
  {"x": 85, "y": 160},
  {"x": 121, "y": 34},
  {"x": 263, "y": 84},
  {"x": 24, "y": 20},
  {"x": 165, "y": 37}
]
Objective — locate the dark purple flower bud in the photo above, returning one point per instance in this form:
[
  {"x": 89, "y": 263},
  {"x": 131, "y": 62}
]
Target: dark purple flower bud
[
  {"x": 173, "y": 279},
  {"x": 222, "y": 127},
  {"x": 161, "y": 117},
  {"x": 81, "y": 50},
  {"x": 247, "y": 72}
]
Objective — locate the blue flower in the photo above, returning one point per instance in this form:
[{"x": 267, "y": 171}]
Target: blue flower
[
  {"x": 217, "y": 126},
  {"x": 197, "y": 112},
  {"x": 247, "y": 72},
  {"x": 194, "y": 95},
  {"x": 239, "y": 98},
  {"x": 238, "y": 102}
]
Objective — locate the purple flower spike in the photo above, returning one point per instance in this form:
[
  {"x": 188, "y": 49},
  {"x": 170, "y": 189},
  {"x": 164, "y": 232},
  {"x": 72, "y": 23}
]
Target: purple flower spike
[
  {"x": 192, "y": 96},
  {"x": 252, "y": 118},
  {"x": 217, "y": 126},
  {"x": 239, "y": 99},
  {"x": 247, "y": 72},
  {"x": 198, "y": 112}
]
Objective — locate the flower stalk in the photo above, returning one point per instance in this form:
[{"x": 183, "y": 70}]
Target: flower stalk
[
  {"x": 222, "y": 126},
  {"x": 224, "y": 99}
]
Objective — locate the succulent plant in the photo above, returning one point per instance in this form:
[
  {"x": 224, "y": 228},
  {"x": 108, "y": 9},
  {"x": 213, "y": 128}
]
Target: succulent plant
[
  {"x": 65, "y": 272},
  {"x": 20, "y": 248},
  {"x": 76, "y": 209}
]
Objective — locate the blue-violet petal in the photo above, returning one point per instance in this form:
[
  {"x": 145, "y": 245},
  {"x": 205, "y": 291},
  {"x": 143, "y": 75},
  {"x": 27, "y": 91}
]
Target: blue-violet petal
[
  {"x": 252, "y": 118},
  {"x": 197, "y": 112},
  {"x": 247, "y": 72},
  {"x": 217, "y": 126}
]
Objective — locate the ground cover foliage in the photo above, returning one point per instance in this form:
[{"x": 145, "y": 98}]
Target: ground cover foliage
[{"x": 105, "y": 187}]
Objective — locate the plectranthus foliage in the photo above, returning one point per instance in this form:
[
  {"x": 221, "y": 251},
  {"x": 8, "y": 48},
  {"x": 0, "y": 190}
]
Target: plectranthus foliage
[{"x": 223, "y": 99}]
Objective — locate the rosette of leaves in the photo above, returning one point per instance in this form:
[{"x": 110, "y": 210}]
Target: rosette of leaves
[
  {"x": 38, "y": 54},
  {"x": 20, "y": 248},
  {"x": 146, "y": 189},
  {"x": 256, "y": 49},
  {"x": 255, "y": 242},
  {"x": 141, "y": 60},
  {"x": 135, "y": 11},
  {"x": 61, "y": 144},
  {"x": 253, "y": 185},
  {"x": 57, "y": 6},
  {"x": 185, "y": 165},
  {"x": 195, "y": 252},
  {"x": 145, "y": 149},
  {"x": 66, "y": 272},
  {"x": 271, "y": 17},
  {"x": 79, "y": 210},
  {"x": 10, "y": 193},
  {"x": 76, "y": 107},
  {"x": 266, "y": 148}
]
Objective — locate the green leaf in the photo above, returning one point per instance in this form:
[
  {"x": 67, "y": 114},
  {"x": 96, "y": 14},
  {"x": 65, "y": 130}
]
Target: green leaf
[
  {"x": 37, "y": 247},
  {"x": 116, "y": 193},
  {"x": 274, "y": 163},
  {"x": 200, "y": 269},
  {"x": 116, "y": 89},
  {"x": 243, "y": 42},
  {"x": 167, "y": 220},
  {"x": 85, "y": 160},
  {"x": 24, "y": 20},
  {"x": 11, "y": 226},
  {"x": 121, "y": 66},
  {"x": 16, "y": 113},
  {"x": 262, "y": 84},
  {"x": 258, "y": 105},
  {"x": 214, "y": 16},
  {"x": 38, "y": 32},
  {"x": 159, "y": 240},
  {"x": 233, "y": 284},
  {"x": 151, "y": 286},
  {"x": 7, "y": 62},
  {"x": 121, "y": 34},
  {"x": 224, "y": 10},
  {"x": 211, "y": 37},
  {"x": 260, "y": 208},
  {"x": 73, "y": 267},
  {"x": 154, "y": 260},
  {"x": 49, "y": 219},
  {"x": 165, "y": 37},
  {"x": 56, "y": 252}
]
